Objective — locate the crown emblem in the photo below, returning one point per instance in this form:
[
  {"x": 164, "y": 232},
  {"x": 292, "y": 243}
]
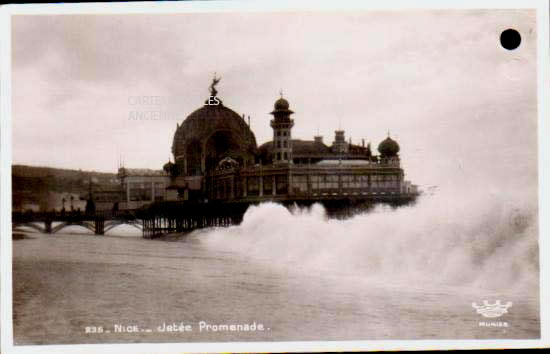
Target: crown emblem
[{"x": 492, "y": 310}]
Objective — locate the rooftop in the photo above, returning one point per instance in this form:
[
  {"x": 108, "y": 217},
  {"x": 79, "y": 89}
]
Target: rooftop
[{"x": 140, "y": 172}]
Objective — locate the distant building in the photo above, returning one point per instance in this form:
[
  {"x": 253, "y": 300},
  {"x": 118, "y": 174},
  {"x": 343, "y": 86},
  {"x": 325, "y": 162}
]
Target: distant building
[{"x": 141, "y": 186}]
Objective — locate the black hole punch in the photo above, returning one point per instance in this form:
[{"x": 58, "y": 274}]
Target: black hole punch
[{"x": 510, "y": 39}]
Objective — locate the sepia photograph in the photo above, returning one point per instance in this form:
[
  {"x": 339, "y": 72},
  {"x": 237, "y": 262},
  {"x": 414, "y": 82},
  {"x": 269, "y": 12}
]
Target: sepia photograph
[{"x": 297, "y": 175}]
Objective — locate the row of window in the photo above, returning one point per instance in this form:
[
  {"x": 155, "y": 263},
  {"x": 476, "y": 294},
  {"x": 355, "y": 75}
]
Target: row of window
[
  {"x": 283, "y": 133},
  {"x": 324, "y": 182},
  {"x": 145, "y": 185},
  {"x": 140, "y": 194},
  {"x": 281, "y": 185},
  {"x": 223, "y": 188},
  {"x": 283, "y": 156},
  {"x": 284, "y": 144},
  {"x": 143, "y": 191},
  {"x": 330, "y": 182}
]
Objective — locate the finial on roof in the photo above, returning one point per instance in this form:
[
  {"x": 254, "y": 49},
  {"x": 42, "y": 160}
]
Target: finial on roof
[{"x": 215, "y": 81}]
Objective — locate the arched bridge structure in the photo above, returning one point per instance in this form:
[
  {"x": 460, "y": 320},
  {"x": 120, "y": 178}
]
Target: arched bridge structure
[{"x": 98, "y": 222}]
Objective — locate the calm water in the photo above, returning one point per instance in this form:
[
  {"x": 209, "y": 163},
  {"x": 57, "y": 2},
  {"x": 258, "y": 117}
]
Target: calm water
[{"x": 410, "y": 273}]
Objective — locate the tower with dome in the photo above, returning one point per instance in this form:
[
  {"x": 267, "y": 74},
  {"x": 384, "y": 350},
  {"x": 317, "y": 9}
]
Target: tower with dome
[{"x": 282, "y": 132}]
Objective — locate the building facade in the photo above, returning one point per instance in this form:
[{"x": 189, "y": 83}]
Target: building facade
[
  {"x": 143, "y": 186},
  {"x": 216, "y": 158}
]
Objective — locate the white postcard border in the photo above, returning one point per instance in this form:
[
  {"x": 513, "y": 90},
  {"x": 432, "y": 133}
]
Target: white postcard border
[{"x": 222, "y": 6}]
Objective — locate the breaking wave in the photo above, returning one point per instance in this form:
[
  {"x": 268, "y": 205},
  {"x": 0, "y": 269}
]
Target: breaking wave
[{"x": 488, "y": 240}]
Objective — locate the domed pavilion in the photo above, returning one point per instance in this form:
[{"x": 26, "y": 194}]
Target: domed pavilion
[
  {"x": 216, "y": 158},
  {"x": 210, "y": 134}
]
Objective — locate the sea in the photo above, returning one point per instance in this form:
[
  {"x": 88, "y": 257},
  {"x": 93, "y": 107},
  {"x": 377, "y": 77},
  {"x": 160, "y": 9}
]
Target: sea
[{"x": 431, "y": 270}]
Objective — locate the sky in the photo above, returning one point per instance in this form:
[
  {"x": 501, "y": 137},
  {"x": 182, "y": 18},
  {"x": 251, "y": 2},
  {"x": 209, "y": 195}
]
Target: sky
[{"x": 88, "y": 89}]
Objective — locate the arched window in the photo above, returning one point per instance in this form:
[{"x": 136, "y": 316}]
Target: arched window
[
  {"x": 285, "y": 143},
  {"x": 194, "y": 158},
  {"x": 278, "y": 144}
]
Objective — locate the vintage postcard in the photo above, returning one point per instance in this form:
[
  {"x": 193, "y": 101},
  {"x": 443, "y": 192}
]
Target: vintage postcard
[{"x": 275, "y": 176}]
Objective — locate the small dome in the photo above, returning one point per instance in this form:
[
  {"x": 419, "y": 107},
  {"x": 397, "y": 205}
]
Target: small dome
[
  {"x": 281, "y": 104},
  {"x": 281, "y": 108},
  {"x": 388, "y": 147}
]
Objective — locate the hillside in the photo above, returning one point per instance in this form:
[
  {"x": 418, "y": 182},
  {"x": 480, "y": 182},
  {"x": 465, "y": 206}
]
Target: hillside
[{"x": 33, "y": 185}]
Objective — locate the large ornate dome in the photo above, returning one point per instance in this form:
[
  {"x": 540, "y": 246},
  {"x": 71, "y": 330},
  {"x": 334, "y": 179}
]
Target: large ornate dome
[
  {"x": 388, "y": 147},
  {"x": 210, "y": 134}
]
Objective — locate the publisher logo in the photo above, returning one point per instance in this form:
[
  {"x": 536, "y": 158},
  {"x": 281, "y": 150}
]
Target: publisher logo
[{"x": 492, "y": 310}]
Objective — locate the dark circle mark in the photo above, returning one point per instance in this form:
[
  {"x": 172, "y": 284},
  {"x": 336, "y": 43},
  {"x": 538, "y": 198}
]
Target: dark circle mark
[{"x": 510, "y": 39}]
